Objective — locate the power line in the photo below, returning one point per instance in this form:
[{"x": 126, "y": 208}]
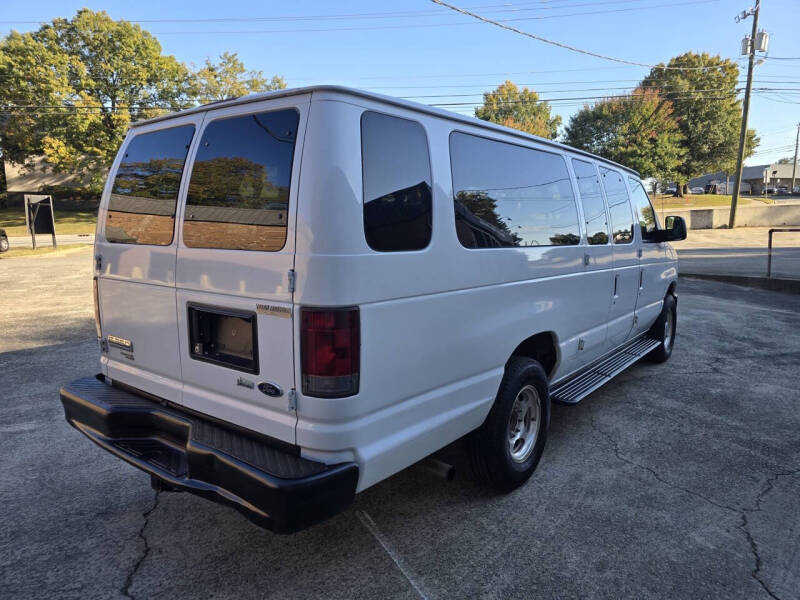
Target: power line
[
  {"x": 427, "y": 25},
  {"x": 506, "y": 8},
  {"x": 554, "y": 43},
  {"x": 63, "y": 110}
]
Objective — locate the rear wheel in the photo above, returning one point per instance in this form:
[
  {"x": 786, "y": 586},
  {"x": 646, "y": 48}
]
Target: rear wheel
[
  {"x": 3, "y": 244},
  {"x": 664, "y": 330},
  {"x": 506, "y": 449}
]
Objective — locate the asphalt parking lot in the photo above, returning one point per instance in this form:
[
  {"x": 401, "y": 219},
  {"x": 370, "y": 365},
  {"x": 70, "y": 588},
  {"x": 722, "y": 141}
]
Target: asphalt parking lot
[{"x": 675, "y": 481}]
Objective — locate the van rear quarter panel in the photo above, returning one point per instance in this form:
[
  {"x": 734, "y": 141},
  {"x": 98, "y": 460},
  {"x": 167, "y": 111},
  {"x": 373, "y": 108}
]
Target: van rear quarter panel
[{"x": 437, "y": 325}]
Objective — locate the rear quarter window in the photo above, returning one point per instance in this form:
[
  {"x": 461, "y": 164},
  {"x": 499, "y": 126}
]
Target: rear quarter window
[
  {"x": 238, "y": 195},
  {"x": 141, "y": 209},
  {"x": 397, "y": 183}
]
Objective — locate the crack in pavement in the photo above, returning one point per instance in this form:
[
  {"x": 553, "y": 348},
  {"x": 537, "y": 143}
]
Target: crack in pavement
[
  {"x": 129, "y": 579},
  {"x": 744, "y": 526},
  {"x": 743, "y": 512}
]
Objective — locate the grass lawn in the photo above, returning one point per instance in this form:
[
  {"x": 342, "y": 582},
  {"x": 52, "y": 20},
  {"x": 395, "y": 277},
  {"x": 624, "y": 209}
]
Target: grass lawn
[
  {"x": 43, "y": 250},
  {"x": 67, "y": 221},
  {"x": 665, "y": 202}
]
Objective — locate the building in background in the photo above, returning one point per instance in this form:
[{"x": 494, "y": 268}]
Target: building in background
[
  {"x": 756, "y": 180},
  {"x": 37, "y": 178}
]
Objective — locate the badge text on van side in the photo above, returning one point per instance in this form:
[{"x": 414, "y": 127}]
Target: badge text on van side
[
  {"x": 120, "y": 342},
  {"x": 275, "y": 311}
]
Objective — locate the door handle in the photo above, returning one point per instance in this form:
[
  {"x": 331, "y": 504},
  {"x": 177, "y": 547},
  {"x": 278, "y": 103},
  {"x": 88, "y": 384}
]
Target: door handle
[
  {"x": 586, "y": 259},
  {"x": 639, "y": 252}
]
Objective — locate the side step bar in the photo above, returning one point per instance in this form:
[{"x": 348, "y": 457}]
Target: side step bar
[{"x": 581, "y": 385}]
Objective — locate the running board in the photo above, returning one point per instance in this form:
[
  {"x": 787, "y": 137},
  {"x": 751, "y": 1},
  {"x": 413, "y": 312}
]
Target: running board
[{"x": 578, "y": 387}]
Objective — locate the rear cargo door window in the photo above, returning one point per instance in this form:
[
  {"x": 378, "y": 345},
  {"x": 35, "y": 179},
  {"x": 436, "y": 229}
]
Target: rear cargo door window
[
  {"x": 141, "y": 209},
  {"x": 238, "y": 195},
  {"x": 619, "y": 207},
  {"x": 397, "y": 183}
]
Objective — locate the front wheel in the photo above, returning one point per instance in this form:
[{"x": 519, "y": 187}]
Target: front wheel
[
  {"x": 664, "y": 331},
  {"x": 506, "y": 449},
  {"x": 3, "y": 244}
]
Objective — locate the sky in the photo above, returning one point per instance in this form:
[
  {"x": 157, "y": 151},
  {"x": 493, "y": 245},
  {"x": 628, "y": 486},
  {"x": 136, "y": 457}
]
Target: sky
[{"x": 418, "y": 50}]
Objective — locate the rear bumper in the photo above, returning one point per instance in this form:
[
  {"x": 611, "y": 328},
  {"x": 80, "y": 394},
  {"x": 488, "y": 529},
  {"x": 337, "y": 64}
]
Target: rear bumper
[{"x": 272, "y": 486}]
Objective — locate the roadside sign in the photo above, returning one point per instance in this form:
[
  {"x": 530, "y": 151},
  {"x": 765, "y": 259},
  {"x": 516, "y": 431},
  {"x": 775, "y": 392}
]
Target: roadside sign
[{"x": 39, "y": 217}]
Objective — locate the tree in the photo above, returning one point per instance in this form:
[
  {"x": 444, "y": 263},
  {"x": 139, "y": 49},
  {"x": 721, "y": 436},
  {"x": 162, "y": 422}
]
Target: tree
[
  {"x": 702, "y": 90},
  {"x": 638, "y": 131},
  {"x": 73, "y": 86},
  {"x": 229, "y": 79},
  {"x": 518, "y": 108}
]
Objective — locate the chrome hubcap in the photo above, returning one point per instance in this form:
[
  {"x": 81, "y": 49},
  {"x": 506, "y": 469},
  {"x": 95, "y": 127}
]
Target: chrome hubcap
[
  {"x": 668, "y": 327},
  {"x": 524, "y": 423}
]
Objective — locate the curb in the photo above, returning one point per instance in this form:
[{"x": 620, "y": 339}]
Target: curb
[{"x": 791, "y": 286}]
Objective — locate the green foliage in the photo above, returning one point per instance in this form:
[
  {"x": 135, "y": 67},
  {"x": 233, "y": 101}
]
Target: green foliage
[
  {"x": 708, "y": 113},
  {"x": 86, "y": 79},
  {"x": 484, "y": 207},
  {"x": 638, "y": 131},
  {"x": 229, "y": 79},
  {"x": 518, "y": 108},
  {"x": 232, "y": 180}
]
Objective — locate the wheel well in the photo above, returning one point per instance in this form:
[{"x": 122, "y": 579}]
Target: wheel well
[
  {"x": 671, "y": 290},
  {"x": 541, "y": 347}
]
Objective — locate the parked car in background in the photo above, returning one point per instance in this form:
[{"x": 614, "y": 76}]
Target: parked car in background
[
  {"x": 697, "y": 190},
  {"x": 3, "y": 241},
  {"x": 770, "y": 190},
  {"x": 279, "y": 338},
  {"x": 783, "y": 189},
  {"x": 671, "y": 190}
]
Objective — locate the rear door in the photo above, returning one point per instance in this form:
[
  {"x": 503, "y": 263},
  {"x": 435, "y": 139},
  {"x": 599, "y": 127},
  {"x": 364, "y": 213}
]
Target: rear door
[
  {"x": 135, "y": 254},
  {"x": 235, "y": 254},
  {"x": 625, "y": 284}
]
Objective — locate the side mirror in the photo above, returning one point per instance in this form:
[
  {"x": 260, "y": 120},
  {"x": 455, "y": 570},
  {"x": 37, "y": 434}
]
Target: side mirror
[{"x": 674, "y": 230}]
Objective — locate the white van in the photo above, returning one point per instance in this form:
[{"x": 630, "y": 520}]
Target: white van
[{"x": 301, "y": 293}]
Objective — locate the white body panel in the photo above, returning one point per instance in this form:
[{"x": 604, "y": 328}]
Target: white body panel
[{"x": 437, "y": 325}]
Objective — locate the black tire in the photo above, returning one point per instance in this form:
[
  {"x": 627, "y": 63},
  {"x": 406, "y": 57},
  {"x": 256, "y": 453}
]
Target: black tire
[
  {"x": 488, "y": 445},
  {"x": 659, "y": 331},
  {"x": 3, "y": 244}
]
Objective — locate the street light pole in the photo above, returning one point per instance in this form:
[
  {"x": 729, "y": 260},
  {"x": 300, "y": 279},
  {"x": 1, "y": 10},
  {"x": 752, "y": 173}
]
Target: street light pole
[{"x": 737, "y": 180}]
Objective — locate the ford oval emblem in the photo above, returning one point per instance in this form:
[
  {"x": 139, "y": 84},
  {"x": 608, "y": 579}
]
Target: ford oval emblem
[{"x": 270, "y": 389}]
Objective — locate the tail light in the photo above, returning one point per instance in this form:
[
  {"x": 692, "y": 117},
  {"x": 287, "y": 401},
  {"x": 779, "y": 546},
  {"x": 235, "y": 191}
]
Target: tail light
[
  {"x": 329, "y": 351},
  {"x": 96, "y": 308}
]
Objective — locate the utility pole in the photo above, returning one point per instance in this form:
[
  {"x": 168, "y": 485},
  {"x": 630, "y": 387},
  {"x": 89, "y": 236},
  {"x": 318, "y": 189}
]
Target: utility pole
[
  {"x": 794, "y": 164},
  {"x": 737, "y": 180}
]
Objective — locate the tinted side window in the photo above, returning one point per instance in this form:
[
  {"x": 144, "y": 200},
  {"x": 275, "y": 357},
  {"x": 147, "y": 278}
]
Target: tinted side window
[
  {"x": 619, "y": 207},
  {"x": 239, "y": 190},
  {"x": 507, "y": 195},
  {"x": 594, "y": 209},
  {"x": 648, "y": 220},
  {"x": 397, "y": 183},
  {"x": 141, "y": 209}
]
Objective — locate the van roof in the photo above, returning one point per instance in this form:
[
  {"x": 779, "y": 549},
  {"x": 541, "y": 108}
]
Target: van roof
[{"x": 416, "y": 106}]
